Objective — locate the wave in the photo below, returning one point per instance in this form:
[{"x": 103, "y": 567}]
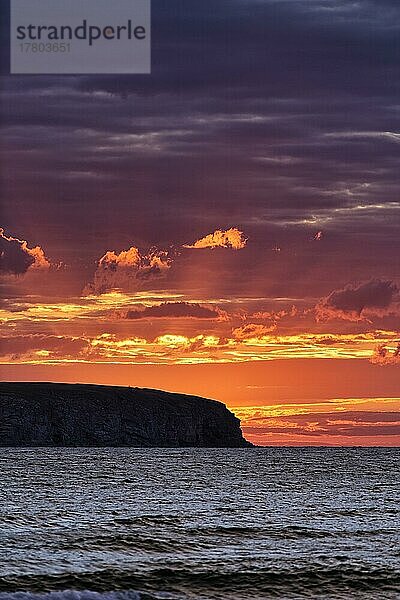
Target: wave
[
  {"x": 336, "y": 582},
  {"x": 194, "y": 537},
  {"x": 72, "y": 595},
  {"x": 148, "y": 520},
  {"x": 121, "y": 543},
  {"x": 291, "y": 532},
  {"x": 85, "y": 595}
]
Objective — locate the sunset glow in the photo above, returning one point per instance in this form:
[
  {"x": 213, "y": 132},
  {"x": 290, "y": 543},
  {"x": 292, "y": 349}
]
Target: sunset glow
[{"x": 227, "y": 226}]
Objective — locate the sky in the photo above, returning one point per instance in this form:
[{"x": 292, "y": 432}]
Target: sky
[{"x": 226, "y": 226}]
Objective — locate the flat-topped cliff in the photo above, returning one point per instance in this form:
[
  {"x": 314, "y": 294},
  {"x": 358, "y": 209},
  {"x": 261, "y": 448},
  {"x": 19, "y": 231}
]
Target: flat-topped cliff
[{"x": 58, "y": 414}]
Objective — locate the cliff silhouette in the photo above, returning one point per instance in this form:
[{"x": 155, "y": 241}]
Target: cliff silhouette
[{"x": 72, "y": 415}]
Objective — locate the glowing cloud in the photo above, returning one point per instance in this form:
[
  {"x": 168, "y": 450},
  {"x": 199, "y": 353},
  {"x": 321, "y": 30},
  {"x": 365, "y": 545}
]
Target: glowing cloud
[
  {"x": 16, "y": 258},
  {"x": 336, "y": 422},
  {"x": 384, "y": 356},
  {"x": 252, "y": 331},
  {"x": 357, "y": 302},
  {"x": 231, "y": 238},
  {"x": 127, "y": 270}
]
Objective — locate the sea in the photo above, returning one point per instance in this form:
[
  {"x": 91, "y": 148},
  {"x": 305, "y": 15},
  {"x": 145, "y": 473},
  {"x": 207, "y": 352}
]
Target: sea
[{"x": 207, "y": 524}]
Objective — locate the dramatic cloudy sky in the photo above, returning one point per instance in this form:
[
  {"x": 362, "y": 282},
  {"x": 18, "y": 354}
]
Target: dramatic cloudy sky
[{"x": 227, "y": 226}]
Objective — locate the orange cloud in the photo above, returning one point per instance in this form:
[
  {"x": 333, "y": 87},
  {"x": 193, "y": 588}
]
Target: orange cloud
[
  {"x": 127, "y": 270},
  {"x": 384, "y": 356},
  {"x": 252, "y": 331},
  {"x": 231, "y": 238},
  {"x": 341, "y": 421},
  {"x": 275, "y": 315},
  {"x": 16, "y": 258}
]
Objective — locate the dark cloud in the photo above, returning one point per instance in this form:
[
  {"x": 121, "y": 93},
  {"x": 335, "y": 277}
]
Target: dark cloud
[
  {"x": 280, "y": 117},
  {"x": 359, "y": 301},
  {"x": 41, "y": 346},
  {"x": 243, "y": 39},
  {"x": 175, "y": 310},
  {"x": 16, "y": 258}
]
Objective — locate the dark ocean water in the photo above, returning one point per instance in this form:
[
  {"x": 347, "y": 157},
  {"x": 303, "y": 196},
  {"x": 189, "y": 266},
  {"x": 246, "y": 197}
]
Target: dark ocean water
[{"x": 127, "y": 524}]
